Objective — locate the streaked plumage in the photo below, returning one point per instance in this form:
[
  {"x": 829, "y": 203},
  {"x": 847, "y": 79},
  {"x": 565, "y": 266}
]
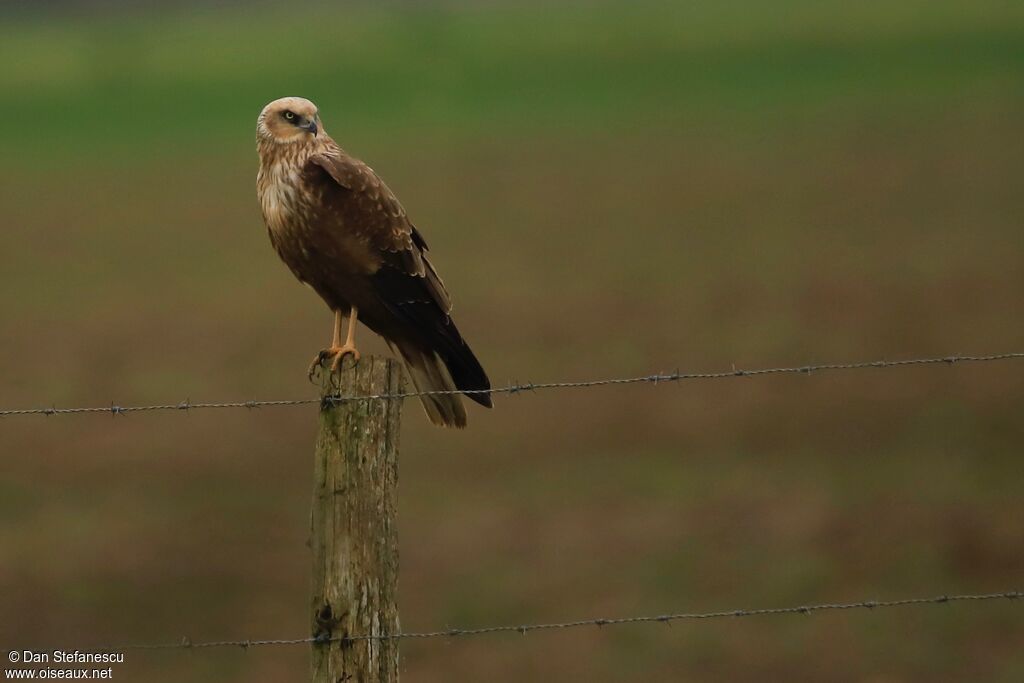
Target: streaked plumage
[{"x": 343, "y": 232}]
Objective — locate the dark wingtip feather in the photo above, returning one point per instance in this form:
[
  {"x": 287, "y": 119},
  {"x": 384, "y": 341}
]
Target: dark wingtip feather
[
  {"x": 466, "y": 372},
  {"x": 482, "y": 399}
]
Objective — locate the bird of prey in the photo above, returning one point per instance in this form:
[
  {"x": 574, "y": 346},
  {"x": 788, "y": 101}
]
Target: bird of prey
[{"x": 342, "y": 231}]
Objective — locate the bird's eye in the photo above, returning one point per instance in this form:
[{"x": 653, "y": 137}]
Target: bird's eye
[{"x": 289, "y": 116}]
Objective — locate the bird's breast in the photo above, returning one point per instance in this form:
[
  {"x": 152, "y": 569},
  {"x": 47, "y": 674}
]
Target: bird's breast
[
  {"x": 282, "y": 198},
  {"x": 308, "y": 235}
]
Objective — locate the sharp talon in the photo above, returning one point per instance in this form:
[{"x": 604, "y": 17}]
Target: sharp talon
[
  {"x": 337, "y": 355},
  {"x": 340, "y": 356},
  {"x": 318, "y": 363}
]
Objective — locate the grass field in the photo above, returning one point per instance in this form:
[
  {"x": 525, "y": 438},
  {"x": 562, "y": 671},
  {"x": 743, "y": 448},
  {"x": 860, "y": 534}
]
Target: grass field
[{"x": 608, "y": 190}]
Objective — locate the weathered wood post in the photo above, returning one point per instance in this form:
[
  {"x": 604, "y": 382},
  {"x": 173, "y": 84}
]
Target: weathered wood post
[{"x": 353, "y": 533}]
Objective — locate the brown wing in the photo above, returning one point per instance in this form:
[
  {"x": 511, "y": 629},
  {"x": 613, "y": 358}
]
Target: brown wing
[
  {"x": 405, "y": 283},
  {"x": 375, "y": 212}
]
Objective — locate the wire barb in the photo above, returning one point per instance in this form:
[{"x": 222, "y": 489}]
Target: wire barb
[
  {"x": 516, "y": 388},
  {"x": 523, "y": 629}
]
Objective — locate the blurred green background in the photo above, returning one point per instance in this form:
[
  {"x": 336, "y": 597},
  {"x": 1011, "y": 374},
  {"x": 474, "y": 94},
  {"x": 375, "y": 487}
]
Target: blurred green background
[{"x": 609, "y": 189}]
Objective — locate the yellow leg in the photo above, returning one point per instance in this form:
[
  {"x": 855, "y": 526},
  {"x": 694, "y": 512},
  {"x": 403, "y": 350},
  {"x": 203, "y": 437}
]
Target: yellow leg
[
  {"x": 337, "y": 350},
  {"x": 336, "y": 341},
  {"x": 350, "y": 340}
]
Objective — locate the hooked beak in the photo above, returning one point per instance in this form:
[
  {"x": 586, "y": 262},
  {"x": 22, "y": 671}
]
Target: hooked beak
[{"x": 310, "y": 126}]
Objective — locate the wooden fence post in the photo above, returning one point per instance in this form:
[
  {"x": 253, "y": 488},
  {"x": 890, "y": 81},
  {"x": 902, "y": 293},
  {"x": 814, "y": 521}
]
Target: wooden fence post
[{"x": 353, "y": 533}]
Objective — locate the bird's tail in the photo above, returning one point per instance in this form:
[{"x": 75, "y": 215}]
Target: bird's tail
[{"x": 429, "y": 373}]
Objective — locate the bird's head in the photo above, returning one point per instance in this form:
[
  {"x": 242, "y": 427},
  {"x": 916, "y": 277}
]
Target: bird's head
[{"x": 288, "y": 120}]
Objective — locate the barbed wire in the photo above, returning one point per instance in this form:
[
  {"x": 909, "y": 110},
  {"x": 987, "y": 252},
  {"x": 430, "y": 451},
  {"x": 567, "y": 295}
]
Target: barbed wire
[
  {"x": 516, "y": 388},
  {"x": 187, "y": 643}
]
